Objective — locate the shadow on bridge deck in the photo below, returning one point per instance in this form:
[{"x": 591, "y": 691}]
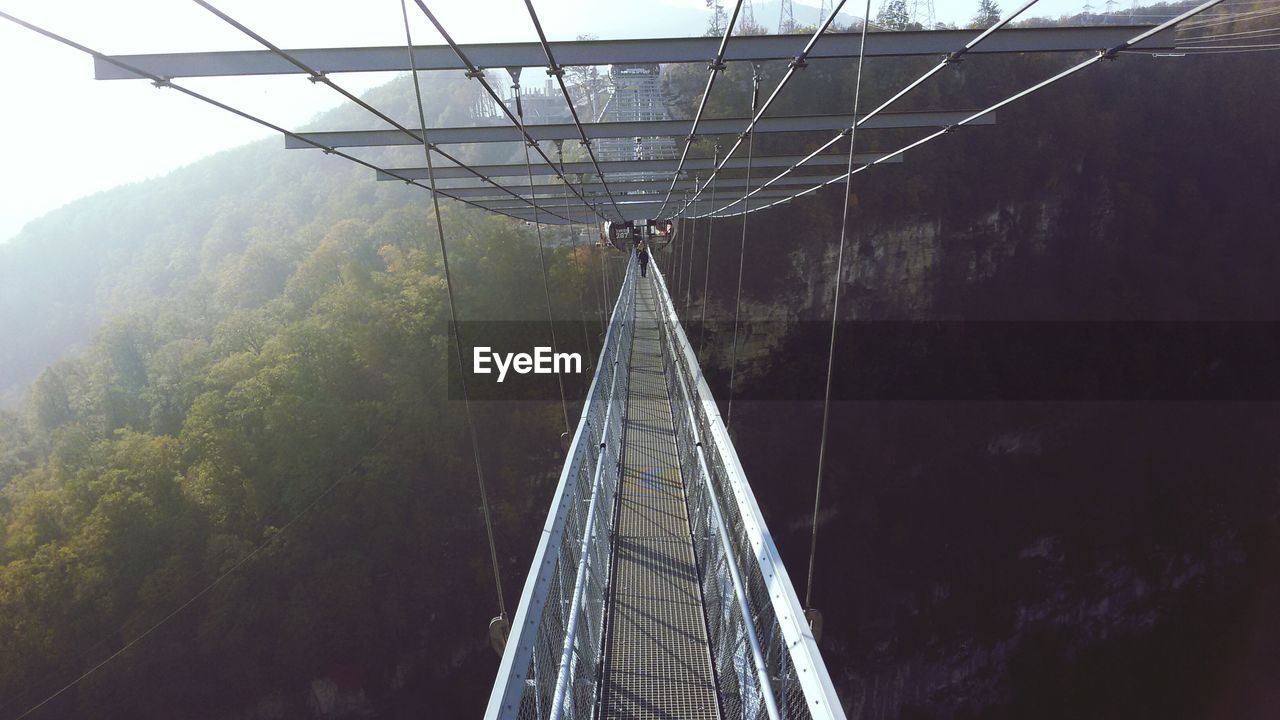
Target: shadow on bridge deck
[{"x": 658, "y": 664}]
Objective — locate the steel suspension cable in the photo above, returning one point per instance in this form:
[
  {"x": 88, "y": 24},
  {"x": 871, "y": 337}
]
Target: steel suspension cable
[
  {"x": 556, "y": 71},
  {"x": 604, "y": 281},
  {"x": 1193, "y": 51},
  {"x": 1109, "y": 54},
  {"x": 453, "y": 316},
  {"x": 693, "y": 246},
  {"x": 477, "y": 74},
  {"x": 742, "y": 251},
  {"x": 1228, "y": 19},
  {"x": 1243, "y": 36},
  {"x": 835, "y": 315},
  {"x": 706, "y": 272},
  {"x": 542, "y": 261},
  {"x": 319, "y": 77},
  {"x": 582, "y": 274},
  {"x": 799, "y": 62},
  {"x": 679, "y": 261},
  {"x": 714, "y": 68},
  {"x": 950, "y": 59}
]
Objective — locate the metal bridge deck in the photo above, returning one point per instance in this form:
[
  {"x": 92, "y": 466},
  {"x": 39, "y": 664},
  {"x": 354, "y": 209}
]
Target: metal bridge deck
[{"x": 658, "y": 664}]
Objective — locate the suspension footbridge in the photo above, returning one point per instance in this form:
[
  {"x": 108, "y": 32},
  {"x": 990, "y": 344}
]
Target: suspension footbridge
[{"x": 656, "y": 589}]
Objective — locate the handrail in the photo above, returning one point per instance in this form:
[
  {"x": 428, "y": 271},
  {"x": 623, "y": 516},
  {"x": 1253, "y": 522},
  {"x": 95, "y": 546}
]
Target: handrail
[
  {"x": 798, "y": 676},
  {"x": 522, "y": 688},
  {"x": 753, "y": 639},
  {"x": 579, "y": 584}
]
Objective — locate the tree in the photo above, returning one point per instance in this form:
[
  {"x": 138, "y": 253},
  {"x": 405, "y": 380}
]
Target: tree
[
  {"x": 717, "y": 17},
  {"x": 894, "y": 16},
  {"x": 988, "y": 14}
]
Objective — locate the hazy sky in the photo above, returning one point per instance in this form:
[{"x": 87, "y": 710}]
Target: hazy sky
[{"x": 65, "y": 135}]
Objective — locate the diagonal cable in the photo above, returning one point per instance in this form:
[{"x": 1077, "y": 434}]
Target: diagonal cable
[
  {"x": 1109, "y": 54},
  {"x": 799, "y": 62},
  {"x": 950, "y": 59},
  {"x": 713, "y": 70},
  {"x": 319, "y": 77},
  {"x": 477, "y": 74},
  {"x": 556, "y": 71}
]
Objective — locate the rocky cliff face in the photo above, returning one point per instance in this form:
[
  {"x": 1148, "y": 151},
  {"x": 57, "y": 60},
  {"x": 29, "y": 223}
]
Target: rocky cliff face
[{"x": 1011, "y": 559}]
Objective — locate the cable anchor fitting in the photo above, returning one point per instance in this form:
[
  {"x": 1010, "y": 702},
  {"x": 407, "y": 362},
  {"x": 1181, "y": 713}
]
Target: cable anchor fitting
[
  {"x": 317, "y": 78},
  {"x": 475, "y": 73},
  {"x": 1111, "y": 54},
  {"x": 555, "y": 72},
  {"x": 162, "y": 82},
  {"x": 716, "y": 66},
  {"x": 953, "y": 58},
  {"x": 798, "y": 63}
]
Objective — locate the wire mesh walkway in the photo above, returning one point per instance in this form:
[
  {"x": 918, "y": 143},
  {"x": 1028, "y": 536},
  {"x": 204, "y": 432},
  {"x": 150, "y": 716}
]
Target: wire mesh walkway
[{"x": 658, "y": 664}]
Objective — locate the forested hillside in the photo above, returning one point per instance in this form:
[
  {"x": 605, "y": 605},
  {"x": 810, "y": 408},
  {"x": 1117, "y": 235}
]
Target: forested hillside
[
  {"x": 239, "y": 372},
  {"x": 262, "y": 379}
]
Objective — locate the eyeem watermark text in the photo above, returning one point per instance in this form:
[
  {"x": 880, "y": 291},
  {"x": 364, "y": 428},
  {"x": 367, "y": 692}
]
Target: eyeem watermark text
[{"x": 541, "y": 362}]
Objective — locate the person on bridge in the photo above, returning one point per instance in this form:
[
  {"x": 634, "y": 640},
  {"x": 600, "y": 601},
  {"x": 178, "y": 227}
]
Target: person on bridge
[{"x": 642, "y": 252}]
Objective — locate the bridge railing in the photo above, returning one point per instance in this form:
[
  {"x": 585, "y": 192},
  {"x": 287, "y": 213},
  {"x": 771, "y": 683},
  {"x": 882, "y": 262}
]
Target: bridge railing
[
  {"x": 551, "y": 665},
  {"x": 767, "y": 662}
]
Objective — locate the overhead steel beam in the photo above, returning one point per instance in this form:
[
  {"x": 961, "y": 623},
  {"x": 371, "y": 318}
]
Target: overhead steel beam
[
  {"x": 630, "y": 210},
  {"x": 620, "y": 188},
  {"x": 611, "y": 52},
  {"x": 649, "y": 128},
  {"x": 610, "y": 167},
  {"x": 623, "y": 200}
]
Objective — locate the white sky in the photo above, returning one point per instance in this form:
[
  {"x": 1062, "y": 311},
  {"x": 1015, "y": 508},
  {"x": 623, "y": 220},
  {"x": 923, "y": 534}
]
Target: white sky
[{"x": 64, "y": 135}]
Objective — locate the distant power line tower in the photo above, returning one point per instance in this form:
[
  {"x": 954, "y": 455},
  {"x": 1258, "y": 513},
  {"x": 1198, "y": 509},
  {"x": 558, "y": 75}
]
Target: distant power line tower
[
  {"x": 787, "y": 17},
  {"x": 921, "y": 12},
  {"x": 1088, "y": 10},
  {"x": 1111, "y": 6},
  {"x": 824, "y": 10},
  {"x": 748, "y": 16}
]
